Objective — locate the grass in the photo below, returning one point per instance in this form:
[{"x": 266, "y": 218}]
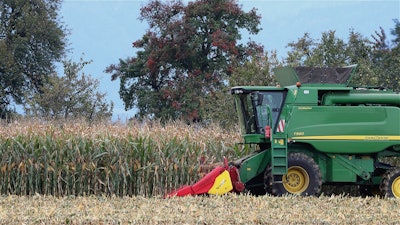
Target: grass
[{"x": 227, "y": 209}]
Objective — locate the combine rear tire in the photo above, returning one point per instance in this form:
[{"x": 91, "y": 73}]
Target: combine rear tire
[
  {"x": 390, "y": 184},
  {"x": 303, "y": 177}
]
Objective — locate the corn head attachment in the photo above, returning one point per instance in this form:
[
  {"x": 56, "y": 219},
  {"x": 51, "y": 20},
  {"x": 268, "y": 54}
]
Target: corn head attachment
[{"x": 221, "y": 180}]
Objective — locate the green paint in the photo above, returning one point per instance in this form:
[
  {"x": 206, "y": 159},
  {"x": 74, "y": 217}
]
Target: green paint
[{"x": 344, "y": 129}]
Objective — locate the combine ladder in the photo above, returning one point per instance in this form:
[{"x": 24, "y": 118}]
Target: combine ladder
[{"x": 279, "y": 156}]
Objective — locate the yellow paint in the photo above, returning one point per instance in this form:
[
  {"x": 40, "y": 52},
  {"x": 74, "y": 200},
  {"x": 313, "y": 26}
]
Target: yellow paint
[
  {"x": 351, "y": 137},
  {"x": 297, "y": 180},
  {"x": 279, "y": 141},
  {"x": 396, "y": 187},
  {"x": 305, "y": 108},
  {"x": 222, "y": 184}
]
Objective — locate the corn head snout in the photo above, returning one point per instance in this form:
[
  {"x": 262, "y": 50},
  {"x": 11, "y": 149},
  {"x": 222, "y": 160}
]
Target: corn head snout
[{"x": 221, "y": 180}]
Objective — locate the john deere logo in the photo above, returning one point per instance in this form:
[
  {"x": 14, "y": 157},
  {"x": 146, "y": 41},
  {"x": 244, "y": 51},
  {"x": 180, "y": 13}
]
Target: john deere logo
[{"x": 279, "y": 141}]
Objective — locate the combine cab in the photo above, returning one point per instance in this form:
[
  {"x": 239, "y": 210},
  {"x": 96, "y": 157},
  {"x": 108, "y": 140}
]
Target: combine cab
[{"x": 315, "y": 129}]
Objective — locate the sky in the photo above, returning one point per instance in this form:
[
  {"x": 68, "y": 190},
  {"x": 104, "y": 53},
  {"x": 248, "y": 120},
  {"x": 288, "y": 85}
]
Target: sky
[{"x": 103, "y": 30}]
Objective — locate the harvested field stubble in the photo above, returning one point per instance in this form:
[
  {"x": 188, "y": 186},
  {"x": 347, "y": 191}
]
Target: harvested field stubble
[{"x": 227, "y": 209}]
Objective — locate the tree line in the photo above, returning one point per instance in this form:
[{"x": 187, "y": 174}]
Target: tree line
[
  {"x": 187, "y": 60},
  {"x": 192, "y": 53}
]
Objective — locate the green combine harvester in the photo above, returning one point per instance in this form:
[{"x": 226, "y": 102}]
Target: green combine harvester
[{"x": 314, "y": 129}]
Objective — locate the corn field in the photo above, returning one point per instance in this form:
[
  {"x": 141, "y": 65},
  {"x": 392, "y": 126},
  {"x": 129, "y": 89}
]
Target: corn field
[
  {"x": 78, "y": 173},
  {"x": 73, "y": 158}
]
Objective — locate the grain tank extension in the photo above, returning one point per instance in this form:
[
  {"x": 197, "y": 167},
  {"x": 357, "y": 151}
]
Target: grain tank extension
[{"x": 315, "y": 128}]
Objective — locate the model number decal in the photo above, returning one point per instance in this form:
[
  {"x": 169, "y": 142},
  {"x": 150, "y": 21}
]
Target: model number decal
[
  {"x": 376, "y": 138},
  {"x": 305, "y": 108},
  {"x": 348, "y": 137}
]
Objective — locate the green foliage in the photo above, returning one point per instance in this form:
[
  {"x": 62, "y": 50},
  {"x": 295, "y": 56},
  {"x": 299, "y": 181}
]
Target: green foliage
[
  {"x": 70, "y": 96},
  {"x": 387, "y": 58},
  {"x": 390, "y": 70},
  {"x": 330, "y": 51},
  {"x": 219, "y": 108},
  {"x": 31, "y": 40},
  {"x": 256, "y": 71},
  {"x": 377, "y": 60},
  {"x": 185, "y": 57},
  {"x": 190, "y": 56}
]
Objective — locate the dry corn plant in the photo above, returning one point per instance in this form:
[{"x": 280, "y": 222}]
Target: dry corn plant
[{"x": 76, "y": 158}]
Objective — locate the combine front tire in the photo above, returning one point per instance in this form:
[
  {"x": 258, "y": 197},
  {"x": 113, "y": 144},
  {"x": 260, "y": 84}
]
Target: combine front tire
[
  {"x": 303, "y": 177},
  {"x": 390, "y": 184}
]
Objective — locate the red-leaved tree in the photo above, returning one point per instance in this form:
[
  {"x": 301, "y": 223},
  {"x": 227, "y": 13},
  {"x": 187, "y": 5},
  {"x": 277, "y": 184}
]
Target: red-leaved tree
[{"x": 186, "y": 55}]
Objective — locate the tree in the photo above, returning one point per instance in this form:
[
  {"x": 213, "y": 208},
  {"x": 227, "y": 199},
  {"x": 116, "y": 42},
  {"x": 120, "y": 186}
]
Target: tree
[
  {"x": 71, "y": 96},
  {"x": 360, "y": 52},
  {"x": 302, "y": 51},
  {"x": 31, "y": 40},
  {"x": 378, "y": 60},
  {"x": 332, "y": 51},
  {"x": 187, "y": 55},
  {"x": 386, "y": 58},
  {"x": 256, "y": 72},
  {"x": 329, "y": 51}
]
